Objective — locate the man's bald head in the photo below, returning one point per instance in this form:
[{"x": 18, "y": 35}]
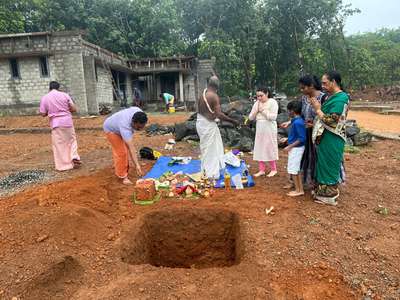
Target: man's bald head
[{"x": 213, "y": 82}]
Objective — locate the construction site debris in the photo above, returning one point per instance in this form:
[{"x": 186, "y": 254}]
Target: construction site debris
[{"x": 18, "y": 179}]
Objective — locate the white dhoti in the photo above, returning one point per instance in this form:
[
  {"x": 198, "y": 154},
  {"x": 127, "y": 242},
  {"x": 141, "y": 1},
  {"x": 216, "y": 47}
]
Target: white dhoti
[{"x": 211, "y": 147}]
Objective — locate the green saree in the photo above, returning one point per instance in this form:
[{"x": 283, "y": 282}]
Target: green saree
[{"x": 331, "y": 145}]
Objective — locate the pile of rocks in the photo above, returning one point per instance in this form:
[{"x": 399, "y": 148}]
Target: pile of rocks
[
  {"x": 157, "y": 129},
  {"x": 19, "y": 179},
  {"x": 105, "y": 109},
  {"x": 354, "y": 135},
  {"x": 242, "y": 137}
]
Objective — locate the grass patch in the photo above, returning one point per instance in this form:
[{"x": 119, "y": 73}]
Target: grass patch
[
  {"x": 382, "y": 210},
  {"x": 351, "y": 149},
  {"x": 396, "y": 156},
  {"x": 313, "y": 221}
]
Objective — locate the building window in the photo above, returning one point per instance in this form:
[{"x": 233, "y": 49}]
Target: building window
[
  {"x": 44, "y": 66},
  {"x": 14, "y": 68}
]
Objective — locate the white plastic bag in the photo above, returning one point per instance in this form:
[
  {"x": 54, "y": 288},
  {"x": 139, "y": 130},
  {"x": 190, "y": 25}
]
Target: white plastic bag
[
  {"x": 182, "y": 160},
  {"x": 237, "y": 181},
  {"x": 231, "y": 159}
]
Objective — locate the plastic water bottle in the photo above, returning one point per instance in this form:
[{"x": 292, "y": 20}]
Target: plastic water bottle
[{"x": 227, "y": 180}]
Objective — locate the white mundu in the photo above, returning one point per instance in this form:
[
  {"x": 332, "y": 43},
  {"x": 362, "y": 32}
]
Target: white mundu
[{"x": 211, "y": 147}]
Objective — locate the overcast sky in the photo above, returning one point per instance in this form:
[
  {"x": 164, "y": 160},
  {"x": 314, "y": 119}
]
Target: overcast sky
[{"x": 375, "y": 14}]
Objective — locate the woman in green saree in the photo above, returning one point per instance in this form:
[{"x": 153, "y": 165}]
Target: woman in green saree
[{"x": 330, "y": 138}]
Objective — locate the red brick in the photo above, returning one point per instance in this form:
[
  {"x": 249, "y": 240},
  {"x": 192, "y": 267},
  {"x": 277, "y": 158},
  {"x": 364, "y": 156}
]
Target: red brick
[{"x": 145, "y": 190}]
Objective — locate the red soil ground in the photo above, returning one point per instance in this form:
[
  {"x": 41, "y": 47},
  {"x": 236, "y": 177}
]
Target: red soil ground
[
  {"x": 66, "y": 238},
  {"x": 376, "y": 122}
]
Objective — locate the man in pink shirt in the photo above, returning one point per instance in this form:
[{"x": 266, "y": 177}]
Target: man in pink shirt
[{"x": 58, "y": 106}]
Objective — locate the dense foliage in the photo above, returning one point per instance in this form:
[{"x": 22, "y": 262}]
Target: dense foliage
[{"x": 254, "y": 41}]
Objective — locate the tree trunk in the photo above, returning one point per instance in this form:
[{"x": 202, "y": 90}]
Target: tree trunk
[
  {"x": 247, "y": 65},
  {"x": 348, "y": 59},
  {"x": 274, "y": 71},
  {"x": 299, "y": 54}
]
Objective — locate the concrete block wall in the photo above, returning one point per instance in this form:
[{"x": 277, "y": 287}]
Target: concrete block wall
[
  {"x": 28, "y": 89},
  {"x": 31, "y": 86},
  {"x": 65, "y": 64},
  {"x": 72, "y": 62},
  {"x": 90, "y": 84},
  {"x": 189, "y": 88},
  {"x": 205, "y": 69},
  {"x": 61, "y": 42},
  {"x": 53, "y": 42},
  {"x": 129, "y": 89},
  {"x": 23, "y": 44},
  {"x": 104, "y": 89},
  {"x": 70, "y": 73},
  {"x": 102, "y": 54},
  {"x": 176, "y": 87}
]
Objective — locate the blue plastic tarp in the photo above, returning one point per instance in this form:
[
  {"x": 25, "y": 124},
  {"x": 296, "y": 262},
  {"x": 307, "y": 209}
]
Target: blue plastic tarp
[{"x": 194, "y": 166}]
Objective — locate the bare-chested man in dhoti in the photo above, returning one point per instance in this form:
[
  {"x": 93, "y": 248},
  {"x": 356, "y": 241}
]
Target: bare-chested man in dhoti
[{"x": 211, "y": 147}]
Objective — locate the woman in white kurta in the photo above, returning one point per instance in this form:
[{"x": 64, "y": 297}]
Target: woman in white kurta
[{"x": 265, "y": 111}]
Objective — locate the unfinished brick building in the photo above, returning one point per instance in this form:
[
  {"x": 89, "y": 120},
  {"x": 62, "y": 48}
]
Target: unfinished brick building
[{"x": 91, "y": 75}]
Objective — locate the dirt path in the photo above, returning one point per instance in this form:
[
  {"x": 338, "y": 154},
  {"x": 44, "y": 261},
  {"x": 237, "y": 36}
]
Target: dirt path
[
  {"x": 84, "y": 122},
  {"x": 366, "y": 119},
  {"x": 80, "y": 236},
  {"x": 26, "y": 151},
  {"x": 376, "y": 122}
]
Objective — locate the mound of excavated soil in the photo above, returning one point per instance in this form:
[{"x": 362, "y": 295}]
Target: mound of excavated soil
[{"x": 79, "y": 236}]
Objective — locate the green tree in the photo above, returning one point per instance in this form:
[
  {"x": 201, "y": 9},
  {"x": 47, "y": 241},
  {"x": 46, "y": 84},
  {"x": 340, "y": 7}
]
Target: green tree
[{"x": 254, "y": 41}]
